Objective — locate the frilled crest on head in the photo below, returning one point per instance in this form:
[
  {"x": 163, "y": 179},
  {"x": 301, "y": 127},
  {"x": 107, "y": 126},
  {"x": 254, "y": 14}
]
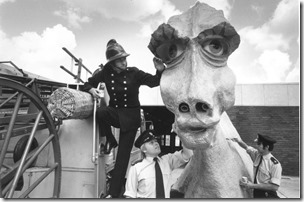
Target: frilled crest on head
[{"x": 200, "y": 23}]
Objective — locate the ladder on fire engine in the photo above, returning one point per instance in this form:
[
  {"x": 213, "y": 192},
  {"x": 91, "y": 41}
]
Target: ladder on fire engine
[
  {"x": 97, "y": 156},
  {"x": 78, "y": 62}
]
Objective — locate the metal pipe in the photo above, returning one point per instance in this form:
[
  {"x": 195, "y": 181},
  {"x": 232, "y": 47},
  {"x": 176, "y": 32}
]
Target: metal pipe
[
  {"x": 94, "y": 132},
  {"x": 27, "y": 148},
  {"x": 94, "y": 129}
]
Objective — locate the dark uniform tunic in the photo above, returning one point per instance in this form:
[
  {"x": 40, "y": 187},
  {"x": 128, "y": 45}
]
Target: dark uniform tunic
[{"x": 123, "y": 112}]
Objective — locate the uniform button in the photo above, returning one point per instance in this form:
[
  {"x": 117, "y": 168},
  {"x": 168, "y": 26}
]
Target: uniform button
[
  {"x": 112, "y": 74},
  {"x": 114, "y": 94},
  {"x": 125, "y": 105},
  {"x": 116, "y": 105},
  {"x": 115, "y": 99},
  {"x": 125, "y": 95},
  {"x": 112, "y": 88},
  {"x": 125, "y": 88},
  {"x": 112, "y": 81},
  {"x": 125, "y": 99},
  {"x": 124, "y": 82}
]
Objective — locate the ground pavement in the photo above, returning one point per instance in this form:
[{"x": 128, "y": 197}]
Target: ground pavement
[{"x": 290, "y": 187}]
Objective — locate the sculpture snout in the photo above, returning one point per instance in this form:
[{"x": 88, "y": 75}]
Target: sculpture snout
[
  {"x": 199, "y": 107},
  {"x": 196, "y": 113}
]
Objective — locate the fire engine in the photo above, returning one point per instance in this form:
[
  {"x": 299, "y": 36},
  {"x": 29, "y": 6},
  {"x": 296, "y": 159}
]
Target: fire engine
[{"x": 45, "y": 157}]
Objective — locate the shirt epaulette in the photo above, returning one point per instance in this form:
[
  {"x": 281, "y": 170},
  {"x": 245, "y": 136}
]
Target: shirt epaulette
[
  {"x": 138, "y": 161},
  {"x": 275, "y": 161}
]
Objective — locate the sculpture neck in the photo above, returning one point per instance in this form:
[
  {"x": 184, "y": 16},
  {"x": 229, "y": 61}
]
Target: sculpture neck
[
  {"x": 215, "y": 171},
  {"x": 215, "y": 160},
  {"x": 210, "y": 170},
  {"x": 215, "y": 155}
]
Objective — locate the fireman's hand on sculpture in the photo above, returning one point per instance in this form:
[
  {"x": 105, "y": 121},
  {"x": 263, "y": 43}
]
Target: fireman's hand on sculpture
[{"x": 158, "y": 63}]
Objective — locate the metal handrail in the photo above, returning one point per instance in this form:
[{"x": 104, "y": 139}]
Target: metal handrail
[
  {"x": 94, "y": 152},
  {"x": 70, "y": 73},
  {"x": 80, "y": 65},
  {"x": 76, "y": 59}
]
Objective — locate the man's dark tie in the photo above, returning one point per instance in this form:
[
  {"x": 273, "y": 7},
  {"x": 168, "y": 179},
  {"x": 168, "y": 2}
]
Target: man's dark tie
[
  {"x": 160, "y": 191},
  {"x": 257, "y": 169}
]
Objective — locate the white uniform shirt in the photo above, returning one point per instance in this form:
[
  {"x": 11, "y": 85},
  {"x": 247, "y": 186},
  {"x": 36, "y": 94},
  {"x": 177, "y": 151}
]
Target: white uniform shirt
[
  {"x": 270, "y": 170},
  {"x": 141, "y": 178}
]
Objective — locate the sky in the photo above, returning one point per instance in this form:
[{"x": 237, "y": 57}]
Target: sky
[{"x": 33, "y": 32}]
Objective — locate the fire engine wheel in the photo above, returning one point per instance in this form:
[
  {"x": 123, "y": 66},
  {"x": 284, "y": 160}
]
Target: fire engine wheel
[{"x": 30, "y": 159}]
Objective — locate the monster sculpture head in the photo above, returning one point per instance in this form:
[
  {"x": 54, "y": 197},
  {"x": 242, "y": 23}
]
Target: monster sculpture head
[{"x": 197, "y": 85}]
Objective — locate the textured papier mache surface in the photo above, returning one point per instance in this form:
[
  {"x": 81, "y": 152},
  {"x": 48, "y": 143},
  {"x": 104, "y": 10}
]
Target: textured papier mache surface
[{"x": 67, "y": 103}]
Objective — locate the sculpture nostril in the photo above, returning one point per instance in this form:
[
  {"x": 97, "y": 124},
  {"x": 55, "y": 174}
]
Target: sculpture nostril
[
  {"x": 202, "y": 107},
  {"x": 184, "y": 107}
]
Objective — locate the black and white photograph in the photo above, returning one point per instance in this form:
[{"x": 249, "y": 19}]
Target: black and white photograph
[{"x": 150, "y": 99}]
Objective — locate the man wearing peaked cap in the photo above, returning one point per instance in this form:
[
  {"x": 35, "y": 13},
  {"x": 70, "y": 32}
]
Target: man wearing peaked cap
[
  {"x": 146, "y": 136},
  {"x": 142, "y": 177},
  {"x": 267, "y": 169},
  {"x": 122, "y": 84},
  {"x": 266, "y": 139}
]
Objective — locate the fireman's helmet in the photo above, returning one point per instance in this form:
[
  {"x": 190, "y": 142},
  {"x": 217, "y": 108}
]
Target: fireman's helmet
[{"x": 115, "y": 51}]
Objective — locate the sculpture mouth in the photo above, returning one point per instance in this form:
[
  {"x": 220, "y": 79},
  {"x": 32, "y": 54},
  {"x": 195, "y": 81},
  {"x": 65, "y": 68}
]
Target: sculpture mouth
[
  {"x": 196, "y": 136},
  {"x": 196, "y": 129}
]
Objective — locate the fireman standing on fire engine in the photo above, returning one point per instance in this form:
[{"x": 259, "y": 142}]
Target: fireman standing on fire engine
[{"x": 122, "y": 83}]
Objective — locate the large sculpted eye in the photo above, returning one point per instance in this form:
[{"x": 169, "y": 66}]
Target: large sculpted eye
[
  {"x": 169, "y": 51},
  {"x": 217, "y": 43},
  {"x": 215, "y": 47}
]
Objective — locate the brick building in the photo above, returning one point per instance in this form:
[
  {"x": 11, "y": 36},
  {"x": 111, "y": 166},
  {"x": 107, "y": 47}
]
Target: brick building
[{"x": 271, "y": 109}]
